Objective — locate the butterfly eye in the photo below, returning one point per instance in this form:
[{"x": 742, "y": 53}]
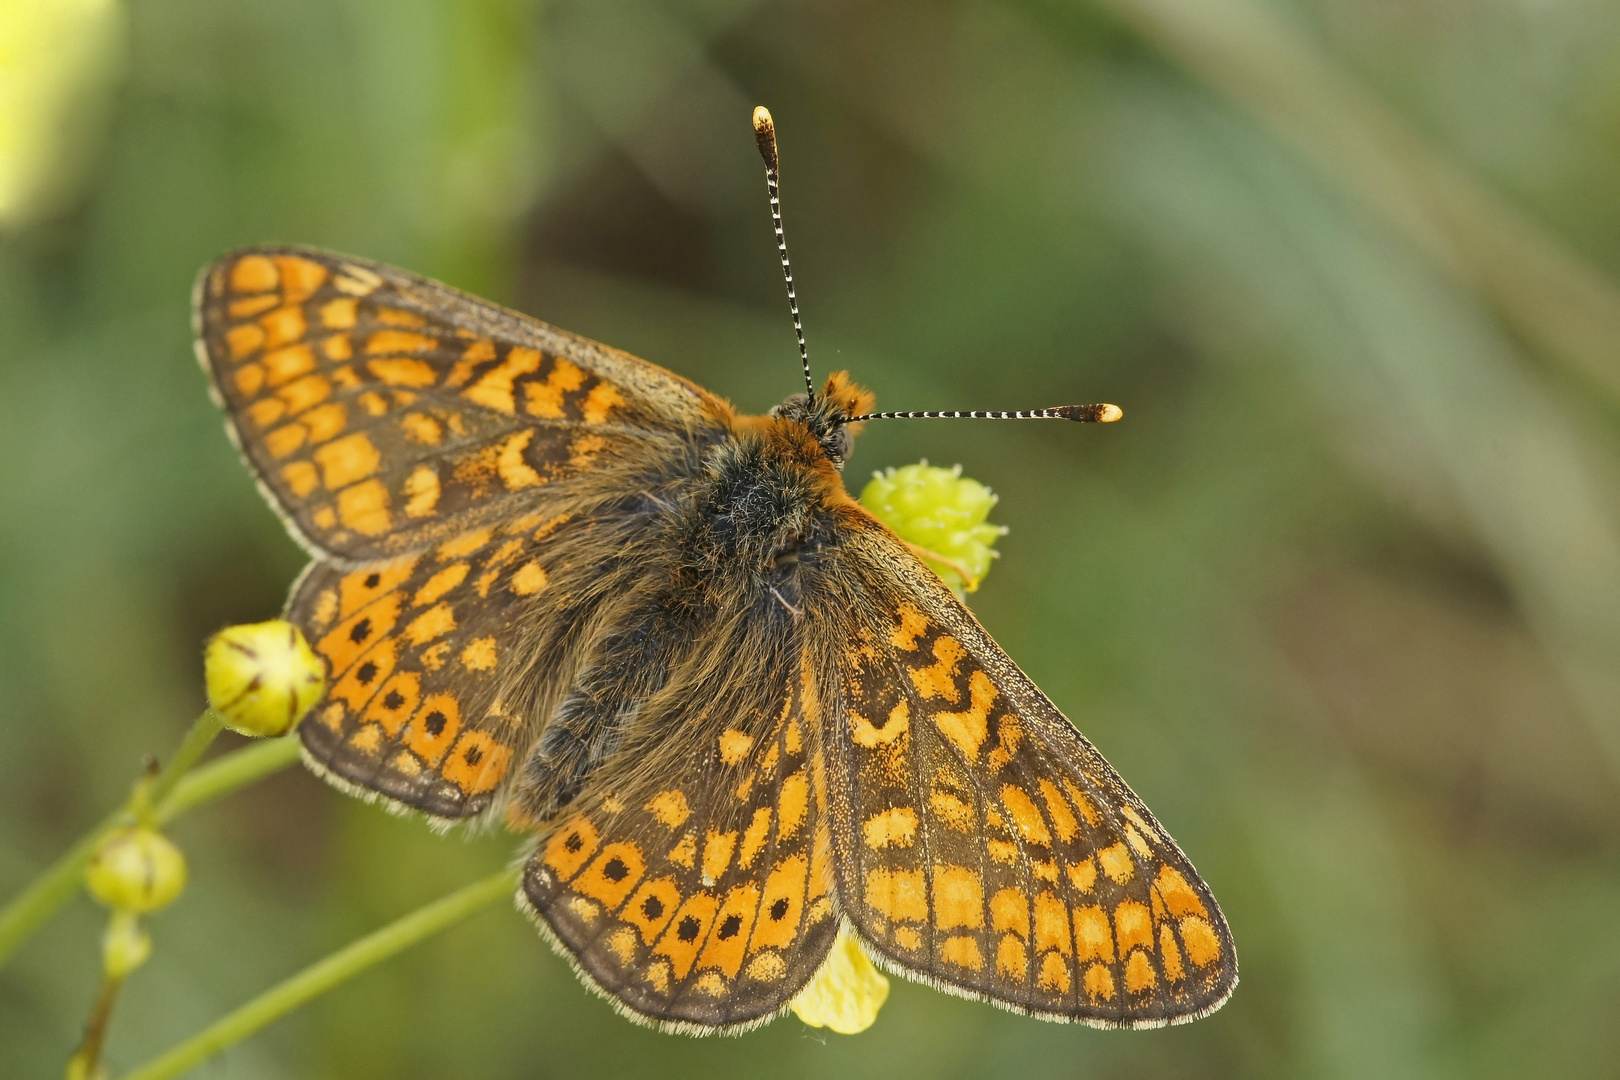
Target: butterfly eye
[
  {"x": 794, "y": 407},
  {"x": 838, "y": 443}
]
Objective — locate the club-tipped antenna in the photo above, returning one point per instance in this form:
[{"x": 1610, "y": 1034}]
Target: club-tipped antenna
[
  {"x": 765, "y": 135},
  {"x": 1084, "y": 414}
]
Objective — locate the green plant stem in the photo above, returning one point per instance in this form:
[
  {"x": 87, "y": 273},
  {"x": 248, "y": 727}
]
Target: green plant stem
[
  {"x": 53, "y": 888},
  {"x": 224, "y": 775},
  {"x": 88, "y": 1057},
  {"x": 201, "y": 735},
  {"x": 327, "y": 973}
]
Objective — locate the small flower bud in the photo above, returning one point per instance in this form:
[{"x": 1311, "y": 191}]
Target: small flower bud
[
  {"x": 126, "y": 944},
  {"x": 136, "y": 869},
  {"x": 846, "y": 994},
  {"x": 262, "y": 677},
  {"x": 942, "y": 513}
]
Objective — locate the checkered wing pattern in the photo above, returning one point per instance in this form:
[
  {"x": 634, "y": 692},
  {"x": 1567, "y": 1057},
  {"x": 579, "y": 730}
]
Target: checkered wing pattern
[
  {"x": 983, "y": 844},
  {"x": 384, "y": 413},
  {"x": 426, "y": 702},
  {"x": 695, "y": 891}
]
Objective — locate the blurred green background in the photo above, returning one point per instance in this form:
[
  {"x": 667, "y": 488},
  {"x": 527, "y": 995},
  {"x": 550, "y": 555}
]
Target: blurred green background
[{"x": 1340, "y": 597}]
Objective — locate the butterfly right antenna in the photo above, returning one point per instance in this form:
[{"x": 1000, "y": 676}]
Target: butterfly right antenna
[
  {"x": 1083, "y": 414},
  {"x": 765, "y": 135}
]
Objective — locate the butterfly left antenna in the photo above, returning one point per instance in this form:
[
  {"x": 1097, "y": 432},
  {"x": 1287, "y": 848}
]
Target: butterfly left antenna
[{"x": 765, "y": 135}]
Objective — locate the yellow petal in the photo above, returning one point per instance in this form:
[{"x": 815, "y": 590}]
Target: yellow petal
[{"x": 846, "y": 994}]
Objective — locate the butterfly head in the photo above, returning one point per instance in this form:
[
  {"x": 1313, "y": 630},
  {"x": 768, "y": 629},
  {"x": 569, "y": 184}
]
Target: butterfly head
[{"x": 827, "y": 414}]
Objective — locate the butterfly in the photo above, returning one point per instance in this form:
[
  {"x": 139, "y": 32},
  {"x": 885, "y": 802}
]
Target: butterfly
[{"x": 559, "y": 586}]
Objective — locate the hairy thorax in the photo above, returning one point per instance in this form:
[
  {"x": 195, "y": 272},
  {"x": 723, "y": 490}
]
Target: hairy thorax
[
  {"x": 773, "y": 489},
  {"x": 716, "y": 569}
]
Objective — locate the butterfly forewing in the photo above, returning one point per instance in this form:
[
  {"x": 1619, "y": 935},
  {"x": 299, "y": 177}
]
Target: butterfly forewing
[
  {"x": 699, "y": 894},
  {"x": 384, "y": 413},
  {"x": 983, "y": 843}
]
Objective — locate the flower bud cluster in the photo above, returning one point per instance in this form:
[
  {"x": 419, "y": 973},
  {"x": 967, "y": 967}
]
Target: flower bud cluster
[
  {"x": 942, "y": 513},
  {"x": 134, "y": 871},
  {"x": 261, "y": 679}
]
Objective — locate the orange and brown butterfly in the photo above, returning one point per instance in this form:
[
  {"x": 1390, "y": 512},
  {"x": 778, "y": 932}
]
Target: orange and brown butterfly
[{"x": 558, "y": 585}]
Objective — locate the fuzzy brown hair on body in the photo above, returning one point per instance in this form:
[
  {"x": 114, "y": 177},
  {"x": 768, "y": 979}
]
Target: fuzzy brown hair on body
[{"x": 700, "y": 603}]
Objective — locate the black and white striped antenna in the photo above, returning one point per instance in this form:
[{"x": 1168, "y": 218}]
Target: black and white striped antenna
[
  {"x": 1085, "y": 414},
  {"x": 765, "y": 135}
]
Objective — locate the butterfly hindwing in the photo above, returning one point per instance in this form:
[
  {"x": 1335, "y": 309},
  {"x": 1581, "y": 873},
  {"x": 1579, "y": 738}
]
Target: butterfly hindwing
[
  {"x": 697, "y": 892},
  {"x": 384, "y": 413},
  {"x": 982, "y": 843},
  {"x": 422, "y": 661}
]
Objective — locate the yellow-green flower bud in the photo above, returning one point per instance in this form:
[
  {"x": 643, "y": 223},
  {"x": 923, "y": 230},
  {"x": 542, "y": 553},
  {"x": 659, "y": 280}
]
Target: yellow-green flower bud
[
  {"x": 941, "y": 513},
  {"x": 846, "y": 993},
  {"x": 136, "y": 869},
  {"x": 262, "y": 677},
  {"x": 126, "y": 944}
]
